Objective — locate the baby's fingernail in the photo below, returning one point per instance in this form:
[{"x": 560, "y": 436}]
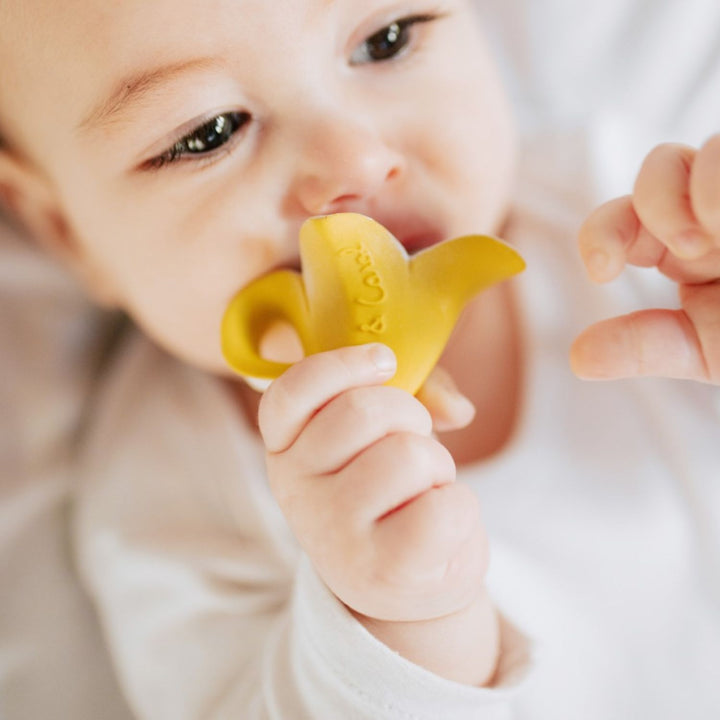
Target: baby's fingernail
[
  {"x": 383, "y": 358},
  {"x": 692, "y": 244}
]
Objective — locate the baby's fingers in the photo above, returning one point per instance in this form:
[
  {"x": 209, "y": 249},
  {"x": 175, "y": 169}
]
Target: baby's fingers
[
  {"x": 662, "y": 201},
  {"x": 662, "y": 343},
  {"x": 290, "y": 402},
  {"x": 612, "y": 237},
  {"x": 354, "y": 420},
  {"x": 705, "y": 187},
  {"x": 448, "y": 407}
]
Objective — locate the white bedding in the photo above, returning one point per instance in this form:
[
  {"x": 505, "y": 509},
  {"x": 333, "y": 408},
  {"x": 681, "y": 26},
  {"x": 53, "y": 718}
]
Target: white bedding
[
  {"x": 624, "y": 74},
  {"x": 52, "y": 663}
]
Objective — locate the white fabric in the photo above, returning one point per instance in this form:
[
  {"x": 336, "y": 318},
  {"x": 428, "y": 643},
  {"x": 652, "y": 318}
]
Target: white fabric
[
  {"x": 603, "y": 513},
  {"x": 52, "y": 660}
]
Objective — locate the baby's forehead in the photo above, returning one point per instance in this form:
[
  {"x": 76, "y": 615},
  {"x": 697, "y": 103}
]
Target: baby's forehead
[
  {"x": 68, "y": 40},
  {"x": 61, "y": 57},
  {"x": 51, "y": 55}
]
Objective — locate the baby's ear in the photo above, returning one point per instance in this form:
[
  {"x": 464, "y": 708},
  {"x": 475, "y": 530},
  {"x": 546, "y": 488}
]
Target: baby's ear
[{"x": 31, "y": 200}]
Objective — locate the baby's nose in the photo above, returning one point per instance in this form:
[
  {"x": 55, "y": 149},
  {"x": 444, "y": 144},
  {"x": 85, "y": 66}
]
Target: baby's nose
[{"x": 342, "y": 165}]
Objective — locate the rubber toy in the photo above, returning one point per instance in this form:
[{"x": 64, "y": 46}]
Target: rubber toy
[{"x": 358, "y": 285}]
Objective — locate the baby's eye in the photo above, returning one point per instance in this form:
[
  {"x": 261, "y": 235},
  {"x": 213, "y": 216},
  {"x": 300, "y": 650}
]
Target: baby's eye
[
  {"x": 388, "y": 42},
  {"x": 203, "y": 140}
]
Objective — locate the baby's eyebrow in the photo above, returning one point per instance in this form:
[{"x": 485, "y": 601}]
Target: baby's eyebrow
[{"x": 132, "y": 89}]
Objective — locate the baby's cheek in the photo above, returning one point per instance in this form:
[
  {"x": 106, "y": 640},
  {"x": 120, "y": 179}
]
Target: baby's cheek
[{"x": 188, "y": 331}]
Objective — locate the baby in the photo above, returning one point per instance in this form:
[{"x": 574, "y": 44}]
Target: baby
[{"x": 167, "y": 153}]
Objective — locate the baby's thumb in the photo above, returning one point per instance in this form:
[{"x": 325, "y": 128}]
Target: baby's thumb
[
  {"x": 659, "y": 343},
  {"x": 449, "y": 408}
]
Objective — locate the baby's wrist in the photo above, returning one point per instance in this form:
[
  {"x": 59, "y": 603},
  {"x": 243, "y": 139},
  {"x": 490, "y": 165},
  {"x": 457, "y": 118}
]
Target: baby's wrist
[{"x": 463, "y": 647}]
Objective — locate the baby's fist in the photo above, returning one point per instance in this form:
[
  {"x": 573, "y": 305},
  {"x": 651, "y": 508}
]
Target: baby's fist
[
  {"x": 368, "y": 491},
  {"x": 671, "y": 222}
]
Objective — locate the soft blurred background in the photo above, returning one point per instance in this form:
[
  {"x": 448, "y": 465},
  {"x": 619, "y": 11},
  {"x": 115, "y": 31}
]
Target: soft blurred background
[{"x": 51, "y": 655}]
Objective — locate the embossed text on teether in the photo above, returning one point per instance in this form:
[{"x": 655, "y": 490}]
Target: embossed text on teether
[{"x": 374, "y": 292}]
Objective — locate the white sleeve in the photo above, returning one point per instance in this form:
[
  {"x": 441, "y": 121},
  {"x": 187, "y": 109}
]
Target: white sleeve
[{"x": 209, "y": 609}]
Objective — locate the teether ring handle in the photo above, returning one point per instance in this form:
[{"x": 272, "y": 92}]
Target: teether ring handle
[{"x": 278, "y": 297}]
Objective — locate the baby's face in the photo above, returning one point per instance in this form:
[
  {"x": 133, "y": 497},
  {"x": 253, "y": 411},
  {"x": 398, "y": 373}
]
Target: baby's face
[{"x": 189, "y": 139}]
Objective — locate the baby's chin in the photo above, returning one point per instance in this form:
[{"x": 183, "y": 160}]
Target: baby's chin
[{"x": 204, "y": 354}]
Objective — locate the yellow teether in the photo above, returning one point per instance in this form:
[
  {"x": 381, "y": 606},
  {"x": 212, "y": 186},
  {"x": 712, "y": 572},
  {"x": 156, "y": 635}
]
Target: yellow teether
[{"x": 358, "y": 285}]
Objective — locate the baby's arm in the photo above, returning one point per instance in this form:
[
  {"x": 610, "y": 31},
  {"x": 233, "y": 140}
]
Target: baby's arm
[
  {"x": 372, "y": 498},
  {"x": 672, "y": 222},
  {"x": 210, "y": 610}
]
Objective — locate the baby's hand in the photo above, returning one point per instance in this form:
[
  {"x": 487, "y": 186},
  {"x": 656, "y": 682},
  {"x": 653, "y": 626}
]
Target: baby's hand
[
  {"x": 369, "y": 493},
  {"x": 672, "y": 222}
]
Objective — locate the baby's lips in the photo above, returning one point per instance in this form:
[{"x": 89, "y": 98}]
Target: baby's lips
[
  {"x": 358, "y": 286},
  {"x": 421, "y": 241}
]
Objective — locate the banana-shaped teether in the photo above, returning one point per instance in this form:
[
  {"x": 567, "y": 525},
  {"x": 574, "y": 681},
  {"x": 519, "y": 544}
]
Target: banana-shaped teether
[{"x": 358, "y": 285}]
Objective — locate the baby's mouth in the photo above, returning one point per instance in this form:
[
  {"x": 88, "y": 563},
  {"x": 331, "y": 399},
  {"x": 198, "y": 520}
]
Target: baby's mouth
[
  {"x": 415, "y": 243},
  {"x": 414, "y": 236}
]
